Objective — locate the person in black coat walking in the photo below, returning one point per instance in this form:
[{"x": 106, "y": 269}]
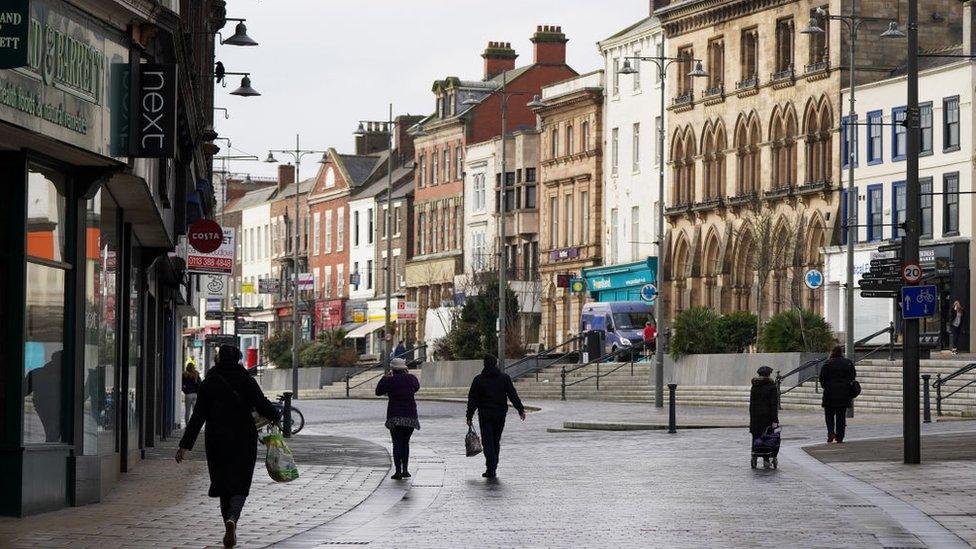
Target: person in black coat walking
[
  {"x": 224, "y": 402},
  {"x": 489, "y": 395},
  {"x": 836, "y": 377},
  {"x": 400, "y": 386}
]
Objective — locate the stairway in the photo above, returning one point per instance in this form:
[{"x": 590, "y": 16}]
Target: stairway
[{"x": 880, "y": 384}]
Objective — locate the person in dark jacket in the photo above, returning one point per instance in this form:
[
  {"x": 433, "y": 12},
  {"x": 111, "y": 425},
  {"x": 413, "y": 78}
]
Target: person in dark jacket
[
  {"x": 401, "y": 412},
  {"x": 191, "y": 385},
  {"x": 489, "y": 395},
  {"x": 763, "y": 411},
  {"x": 836, "y": 376},
  {"x": 224, "y": 402}
]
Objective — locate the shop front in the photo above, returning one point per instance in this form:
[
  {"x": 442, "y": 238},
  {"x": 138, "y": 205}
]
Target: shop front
[
  {"x": 88, "y": 322},
  {"x": 620, "y": 282}
]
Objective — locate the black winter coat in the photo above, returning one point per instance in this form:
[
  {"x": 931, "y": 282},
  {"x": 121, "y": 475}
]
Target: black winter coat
[
  {"x": 490, "y": 392},
  {"x": 762, "y": 405},
  {"x": 401, "y": 388},
  {"x": 835, "y": 379},
  {"x": 231, "y": 437}
]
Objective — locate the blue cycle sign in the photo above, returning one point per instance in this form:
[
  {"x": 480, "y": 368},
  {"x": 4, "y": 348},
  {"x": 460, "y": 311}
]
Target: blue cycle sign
[
  {"x": 813, "y": 279},
  {"x": 648, "y": 293},
  {"x": 918, "y": 301}
]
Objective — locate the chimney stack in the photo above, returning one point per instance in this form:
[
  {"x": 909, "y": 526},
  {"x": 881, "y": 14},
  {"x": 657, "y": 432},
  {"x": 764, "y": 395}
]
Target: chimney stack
[
  {"x": 286, "y": 175},
  {"x": 375, "y": 138},
  {"x": 499, "y": 57},
  {"x": 550, "y": 45},
  {"x": 403, "y": 141}
]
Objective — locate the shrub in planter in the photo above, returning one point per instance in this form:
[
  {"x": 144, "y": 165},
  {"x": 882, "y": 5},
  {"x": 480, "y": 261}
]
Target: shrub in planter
[
  {"x": 796, "y": 331},
  {"x": 276, "y": 349},
  {"x": 737, "y": 331},
  {"x": 695, "y": 331}
]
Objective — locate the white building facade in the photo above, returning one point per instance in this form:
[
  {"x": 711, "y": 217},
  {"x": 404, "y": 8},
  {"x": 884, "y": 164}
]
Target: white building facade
[
  {"x": 255, "y": 257},
  {"x": 945, "y": 177},
  {"x": 632, "y": 119}
]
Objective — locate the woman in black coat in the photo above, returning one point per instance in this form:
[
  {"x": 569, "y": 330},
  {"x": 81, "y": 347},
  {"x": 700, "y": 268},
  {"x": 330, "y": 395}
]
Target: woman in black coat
[
  {"x": 401, "y": 412},
  {"x": 224, "y": 402},
  {"x": 836, "y": 376},
  {"x": 763, "y": 412}
]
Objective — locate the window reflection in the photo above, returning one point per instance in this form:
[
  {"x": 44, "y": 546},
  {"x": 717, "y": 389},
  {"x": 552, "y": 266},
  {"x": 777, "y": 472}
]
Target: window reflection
[
  {"x": 45, "y": 214},
  {"x": 44, "y": 343}
]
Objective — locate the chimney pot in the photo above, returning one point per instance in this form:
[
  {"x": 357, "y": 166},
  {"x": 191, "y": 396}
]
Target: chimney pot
[
  {"x": 549, "y": 45},
  {"x": 538, "y": 28}
]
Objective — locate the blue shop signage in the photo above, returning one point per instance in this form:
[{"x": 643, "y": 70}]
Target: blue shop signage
[{"x": 620, "y": 282}]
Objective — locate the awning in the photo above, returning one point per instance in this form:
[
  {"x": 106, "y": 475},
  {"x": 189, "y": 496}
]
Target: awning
[{"x": 365, "y": 329}]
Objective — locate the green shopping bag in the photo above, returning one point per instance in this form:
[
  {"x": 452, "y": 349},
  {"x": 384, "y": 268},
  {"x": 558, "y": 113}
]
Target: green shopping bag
[{"x": 279, "y": 460}]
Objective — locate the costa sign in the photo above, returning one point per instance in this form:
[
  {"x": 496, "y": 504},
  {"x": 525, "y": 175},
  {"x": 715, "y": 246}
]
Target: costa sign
[{"x": 205, "y": 236}]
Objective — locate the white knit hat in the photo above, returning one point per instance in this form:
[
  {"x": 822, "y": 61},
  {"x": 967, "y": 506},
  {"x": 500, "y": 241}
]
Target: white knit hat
[{"x": 398, "y": 364}]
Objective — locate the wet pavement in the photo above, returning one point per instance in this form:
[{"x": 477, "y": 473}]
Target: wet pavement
[{"x": 556, "y": 488}]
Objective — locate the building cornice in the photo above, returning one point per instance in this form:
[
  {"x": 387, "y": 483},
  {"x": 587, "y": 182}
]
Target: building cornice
[{"x": 685, "y": 17}]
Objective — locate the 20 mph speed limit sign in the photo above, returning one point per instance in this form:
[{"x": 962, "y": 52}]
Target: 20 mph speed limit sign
[{"x": 911, "y": 273}]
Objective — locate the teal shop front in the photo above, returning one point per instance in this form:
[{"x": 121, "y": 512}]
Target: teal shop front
[{"x": 620, "y": 282}]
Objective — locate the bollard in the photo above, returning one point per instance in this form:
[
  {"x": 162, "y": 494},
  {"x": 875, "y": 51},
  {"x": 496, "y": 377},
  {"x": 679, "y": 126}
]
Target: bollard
[
  {"x": 672, "y": 423},
  {"x": 926, "y": 407},
  {"x": 598, "y": 375},
  {"x": 287, "y": 414},
  {"x": 891, "y": 342},
  {"x": 563, "y": 388},
  {"x": 938, "y": 395},
  {"x": 347, "y": 385}
]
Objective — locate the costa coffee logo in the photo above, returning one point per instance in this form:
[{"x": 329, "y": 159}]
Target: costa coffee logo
[{"x": 205, "y": 236}]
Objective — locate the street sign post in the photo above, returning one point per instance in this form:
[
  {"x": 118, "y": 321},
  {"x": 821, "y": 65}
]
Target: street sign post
[
  {"x": 918, "y": 301},
  {"x": 251, "y": 327}
]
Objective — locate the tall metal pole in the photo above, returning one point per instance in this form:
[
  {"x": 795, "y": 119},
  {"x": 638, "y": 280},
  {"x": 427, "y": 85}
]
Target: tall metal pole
[
  {"x": 294, "y": 289},
  {"x": 503, "y": 258},
  {"x": 660, "y": 309},
  {"x": 388, "y": 335},
  {"x": 852, "y": 26},
  {"x": 910, "y": 420}
]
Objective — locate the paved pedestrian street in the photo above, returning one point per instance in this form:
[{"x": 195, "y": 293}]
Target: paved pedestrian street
[{"x": 556, "y": 488}]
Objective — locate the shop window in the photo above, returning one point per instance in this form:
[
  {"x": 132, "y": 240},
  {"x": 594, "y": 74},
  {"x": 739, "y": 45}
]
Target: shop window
[
  {"x": 102, "y": 243},
  {"x": 44, "y": 306}
]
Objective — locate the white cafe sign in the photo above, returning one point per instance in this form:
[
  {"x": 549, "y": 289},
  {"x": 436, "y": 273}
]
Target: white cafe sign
[{"x": 75, "y": 85}]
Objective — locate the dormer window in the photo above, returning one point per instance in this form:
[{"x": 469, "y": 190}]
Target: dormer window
[
  {"x": 452, "y": 103},
  {"x": 439, "y": 106}
]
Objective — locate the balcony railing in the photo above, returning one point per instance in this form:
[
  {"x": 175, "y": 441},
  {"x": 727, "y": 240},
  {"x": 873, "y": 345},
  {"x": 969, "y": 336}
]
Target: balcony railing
[
  {"x": 678, "y": 209},
  {"x": 813, "y": 68},
  {"x": 779, "y": 192},
  {"x": 813, "y": 187},
  {"x": 708, "y": 204},
  {"x": 740, "y": 199},
  {"x": 684, "y": 98},
  {"x": 747, "y": 84},
  {"x": 713, "y": 91},
  {"x": 783, "y": 75}
]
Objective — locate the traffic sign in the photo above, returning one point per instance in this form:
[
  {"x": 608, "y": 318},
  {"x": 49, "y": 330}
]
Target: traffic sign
[
  {"x": 205, "y": 236},
  {"x": 577, "y": 285},
  {"x": 911, "y": 273},
  {"x": 648, "y": 293},
  {"x": 918, "y": 301},
  {"x": 813, "y": 279},
  {"x": 884, "y": 294}
]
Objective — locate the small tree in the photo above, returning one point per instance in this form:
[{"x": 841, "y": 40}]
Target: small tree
[
  {"x": 796, "y": 331},
  {"x": 774, "y": 245},
  {"x": 694, "y": 331},
  {"x": 473, "y": 334},
  {"x": 737, "y": 331}
]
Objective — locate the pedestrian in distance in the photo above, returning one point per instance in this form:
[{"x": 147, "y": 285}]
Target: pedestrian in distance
[
  {"x": 399, "y": 351},
  {"x": 763, "y": 409},
  {"x": 191, "y": 385},
  {"x": 836, "y": 377},
  {"x": 489, "y": 395},
  {"x": 650, "y": 338},
  {"x": 957, "y": 324},
  {"x": 225, "y": 401},
  {"x": 400, "y": 386}
]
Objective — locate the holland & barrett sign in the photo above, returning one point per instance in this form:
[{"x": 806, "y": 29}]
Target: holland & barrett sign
[
  {"x": 14, "y": 19},
  {"x": 59, "y": 81}
]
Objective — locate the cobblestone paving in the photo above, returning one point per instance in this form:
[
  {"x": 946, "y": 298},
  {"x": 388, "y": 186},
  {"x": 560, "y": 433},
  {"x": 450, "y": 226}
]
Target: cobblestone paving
[
  {"x": 602, "y": 489},
  {"x": 162, "y": 504}
]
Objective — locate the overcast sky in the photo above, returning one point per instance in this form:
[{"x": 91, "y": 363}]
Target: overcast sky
[{"x": 323, "y": 65}]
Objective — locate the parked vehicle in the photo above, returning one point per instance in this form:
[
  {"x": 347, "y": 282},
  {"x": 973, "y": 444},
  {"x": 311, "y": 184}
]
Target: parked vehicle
[{"x": 621, "y": 322}]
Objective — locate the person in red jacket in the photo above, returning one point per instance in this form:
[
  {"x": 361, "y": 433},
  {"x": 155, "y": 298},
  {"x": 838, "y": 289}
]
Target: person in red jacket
[{"x": 650, "y": 338}]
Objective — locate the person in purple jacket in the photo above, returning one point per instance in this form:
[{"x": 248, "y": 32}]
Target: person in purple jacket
[{"x": 401, "y": 412}]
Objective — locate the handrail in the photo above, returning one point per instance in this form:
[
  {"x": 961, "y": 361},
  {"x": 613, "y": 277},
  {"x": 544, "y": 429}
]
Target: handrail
[
  {"x": 890, "y": 329},
  {"x": 380, "y": 364},
  {"x": 941, "y": 381},
  {"x": 515, "y": 372},
  {"x": 597, "y": 375}
]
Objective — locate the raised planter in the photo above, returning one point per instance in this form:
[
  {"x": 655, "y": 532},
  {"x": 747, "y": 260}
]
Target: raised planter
[
  {"x": 732, "y": 369},
  {"x": 272, "y": 379}
]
